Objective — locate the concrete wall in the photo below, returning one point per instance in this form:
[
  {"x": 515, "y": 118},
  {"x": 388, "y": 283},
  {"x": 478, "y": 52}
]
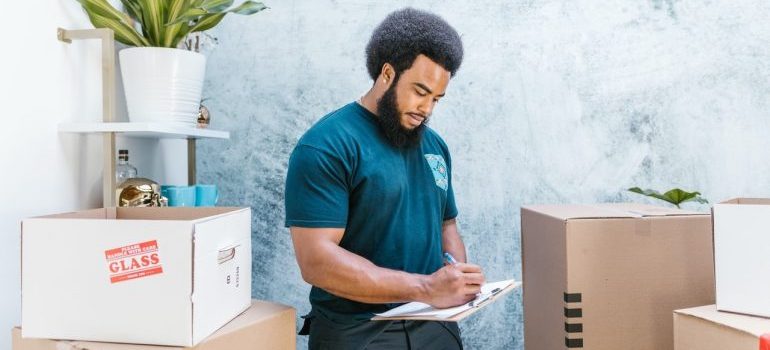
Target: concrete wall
[{"x": 557, "y": 101}]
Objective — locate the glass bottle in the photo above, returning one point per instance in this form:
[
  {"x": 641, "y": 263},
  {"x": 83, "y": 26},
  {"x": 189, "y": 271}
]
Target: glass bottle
[{"x": 123, "y": 170}]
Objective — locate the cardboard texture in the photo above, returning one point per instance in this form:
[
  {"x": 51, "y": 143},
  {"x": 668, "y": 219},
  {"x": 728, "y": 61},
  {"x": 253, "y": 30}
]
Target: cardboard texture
[
  {"x": 609, "y": 276},
  {"x": 161, "y": 276},
  {"x": 705, "y": 328},
  {"x": 263, "y": 326},
  {"x": 740, "y": 255}
]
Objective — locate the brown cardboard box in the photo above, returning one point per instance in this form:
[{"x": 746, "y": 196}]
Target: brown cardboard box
[
  {"x": 609, "y": 276},
  {"x": 263, "y": 326},
  {"x": 705, "y": 328}
]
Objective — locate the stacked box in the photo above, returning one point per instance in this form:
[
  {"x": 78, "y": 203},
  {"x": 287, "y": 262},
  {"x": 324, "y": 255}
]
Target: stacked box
[
  {"x": 609, "y": 276},
  {"x": 162, "y": 276},
  {"x": 705, "y": 328},
  {"x": 738, "y": 319},
  {"x": 741, "y": 242},
  {"x": 264, "y": 325}
]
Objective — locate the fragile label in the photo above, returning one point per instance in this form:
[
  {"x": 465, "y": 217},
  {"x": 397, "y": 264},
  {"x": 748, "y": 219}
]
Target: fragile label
[{"x": 133, "y": 261}]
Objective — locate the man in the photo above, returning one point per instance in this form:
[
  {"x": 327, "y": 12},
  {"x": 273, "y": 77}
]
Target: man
[{"x": 369, "y": 199}]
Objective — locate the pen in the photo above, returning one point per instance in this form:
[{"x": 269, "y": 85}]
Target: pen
[
  {"x": 482, "y": 298},
  {"x": 449, "y": 258}
]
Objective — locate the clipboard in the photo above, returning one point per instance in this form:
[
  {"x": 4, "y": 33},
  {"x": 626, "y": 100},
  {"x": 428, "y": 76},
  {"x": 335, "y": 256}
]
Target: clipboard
[{"x": 424, "y": 312}]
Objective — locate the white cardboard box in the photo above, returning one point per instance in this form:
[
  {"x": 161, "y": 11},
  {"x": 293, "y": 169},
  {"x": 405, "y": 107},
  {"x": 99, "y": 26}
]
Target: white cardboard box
[
  {"x": 741, "y": 259},
  {"x": 163, "y": 276}
]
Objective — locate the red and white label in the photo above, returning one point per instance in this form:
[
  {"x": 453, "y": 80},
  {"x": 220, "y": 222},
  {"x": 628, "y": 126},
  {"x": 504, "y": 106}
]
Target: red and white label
[{"x": 133, "y": 261}]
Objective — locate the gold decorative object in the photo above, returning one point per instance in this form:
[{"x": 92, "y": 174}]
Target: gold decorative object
[
  {"x": 140, "y": 192},
  {"x": 204, "y": 118}
]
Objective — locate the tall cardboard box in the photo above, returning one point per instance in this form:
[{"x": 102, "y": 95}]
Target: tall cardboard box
[
  {"x": 263, "y": 326},
  {"x": 163, "y": 276},
  {"x": 705, "y": 328},
  {"x": 741, "y": 241},
  {"x": 609, "y": 276}
]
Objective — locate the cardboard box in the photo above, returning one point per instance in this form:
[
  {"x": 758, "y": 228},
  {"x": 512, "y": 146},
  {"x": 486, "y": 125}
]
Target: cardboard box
[
  {"x": 741, "y": 242},
  {"x": 162, "y": 276},
  {"x": 609, "y": 276},
  {"x": 263, "y": 326},
  {"x": 705, "y": 328}
]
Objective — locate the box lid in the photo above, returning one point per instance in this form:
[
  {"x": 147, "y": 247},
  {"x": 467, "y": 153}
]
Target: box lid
[
  {"x": 753, "y": 325},
  {"x": 191, "y": 214},
  {"x": 608, "y": 211},
  {"x": 747, "y": 201}
]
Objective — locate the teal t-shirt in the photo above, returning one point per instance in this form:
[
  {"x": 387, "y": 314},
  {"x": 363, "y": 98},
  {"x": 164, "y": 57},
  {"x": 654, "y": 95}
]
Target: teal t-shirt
[{"x": 391, "y": 201}]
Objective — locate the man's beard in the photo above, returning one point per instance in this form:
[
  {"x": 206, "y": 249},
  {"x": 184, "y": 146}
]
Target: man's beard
[{"x": 389, "y": 120}]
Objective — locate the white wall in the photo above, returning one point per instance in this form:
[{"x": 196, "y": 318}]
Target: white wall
[{"x": 44, "y": 82}]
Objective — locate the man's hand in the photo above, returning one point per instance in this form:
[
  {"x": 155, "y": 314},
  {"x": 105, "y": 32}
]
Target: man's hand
[{"x": 454, "y": 285}]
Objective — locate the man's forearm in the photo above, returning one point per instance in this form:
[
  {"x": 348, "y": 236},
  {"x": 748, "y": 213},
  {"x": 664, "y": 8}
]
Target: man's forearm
[{"x": 353, "y": 277}]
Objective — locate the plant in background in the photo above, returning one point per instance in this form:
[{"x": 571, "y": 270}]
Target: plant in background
[
  {"x": 675, "y": 196},
  {"x": 162, "y": 23},
  {"x": 163, "y": 80}
]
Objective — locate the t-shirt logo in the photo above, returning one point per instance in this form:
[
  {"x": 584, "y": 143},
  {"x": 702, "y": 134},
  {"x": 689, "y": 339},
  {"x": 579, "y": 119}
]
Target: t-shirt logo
[{"x": 438, "y": 166}]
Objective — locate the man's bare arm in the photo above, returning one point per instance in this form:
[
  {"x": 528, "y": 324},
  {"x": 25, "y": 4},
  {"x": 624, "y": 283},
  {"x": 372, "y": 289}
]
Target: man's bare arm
[{"x": 328, "y": 266}]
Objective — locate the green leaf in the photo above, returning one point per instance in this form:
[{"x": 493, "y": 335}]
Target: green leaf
[
  {"x": 133, "y": 9},
  {"x": 153, "y": 13},
  {"x": 675, "y": 196},
  {"x": 210, "y": 21},
  {"x": 207, "y": 22},
  {"x": 651, "y": 193},
  {"x": 123, "y": 33},
  {"x": 248, "y": 8},
  {"x": 175, "y": 9},
  {"x": 212, "y": 6},
  {"x": 103, "y": 9},
  {"x": 189, "y": 15},
  {"x": 183, "y": 31},
  {"x": 163, "y": 23}
]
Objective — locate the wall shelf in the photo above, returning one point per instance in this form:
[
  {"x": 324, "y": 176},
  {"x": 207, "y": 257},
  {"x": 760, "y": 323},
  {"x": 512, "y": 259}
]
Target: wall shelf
[
  {"x": 145, "y": 130},
  {"x": 109, "y": 129}
]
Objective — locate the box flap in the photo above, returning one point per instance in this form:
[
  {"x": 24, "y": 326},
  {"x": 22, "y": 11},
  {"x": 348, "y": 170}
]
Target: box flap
[
  {"x": 175, "y": 213},
  {"x": 756, "y": 326},
  {"x": 748, "y": 201},
  {"x": 607, "y": 211},
  {"x": 259, "y": 311},
  {"x": 222, "y": 267},
  {"x": 101, "y": 213},
  {"x": 152, "y": 213}
]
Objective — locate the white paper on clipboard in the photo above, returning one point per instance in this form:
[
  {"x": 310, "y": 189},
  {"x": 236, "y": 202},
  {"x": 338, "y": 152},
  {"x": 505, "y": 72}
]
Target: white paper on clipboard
[{"x": 425, "y": 311}]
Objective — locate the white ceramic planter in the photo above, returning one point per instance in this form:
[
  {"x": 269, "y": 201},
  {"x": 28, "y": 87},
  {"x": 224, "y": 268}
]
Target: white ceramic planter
[{"x": 162, "y": 84}]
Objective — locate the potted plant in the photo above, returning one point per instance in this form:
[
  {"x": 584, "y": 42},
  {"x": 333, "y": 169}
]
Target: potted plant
[{"x": 162, "y": 83}]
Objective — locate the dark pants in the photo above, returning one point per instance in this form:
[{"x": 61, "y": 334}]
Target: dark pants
[{"x": 376, "y": 335}]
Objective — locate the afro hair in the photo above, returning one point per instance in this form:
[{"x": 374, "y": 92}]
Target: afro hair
[{"x": 407, "y": 33}]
